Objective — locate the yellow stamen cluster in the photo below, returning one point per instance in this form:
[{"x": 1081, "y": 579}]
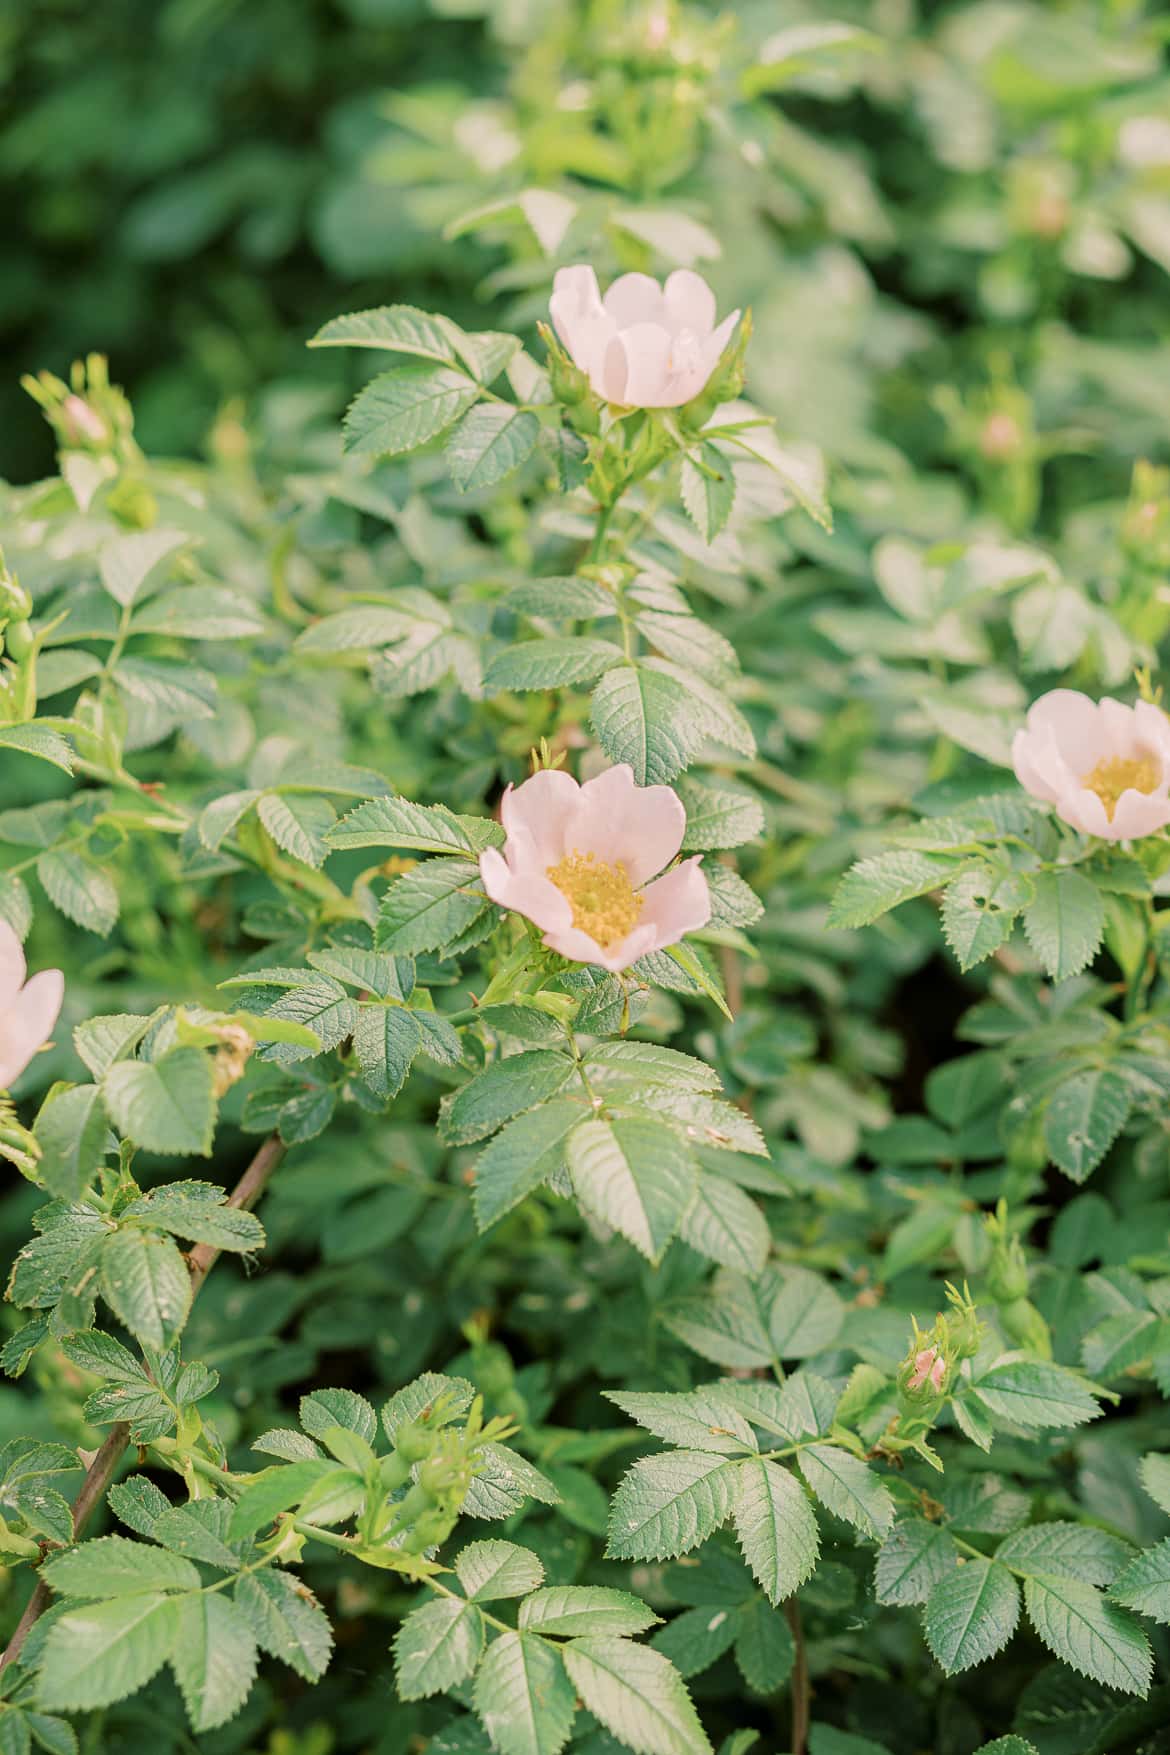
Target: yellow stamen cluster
[
  {"x": 603, "y": 900},
  {"x": 1114, "y": 775}
]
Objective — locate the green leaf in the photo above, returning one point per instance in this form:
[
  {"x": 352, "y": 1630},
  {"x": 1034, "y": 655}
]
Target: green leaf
[
  {"x": 174, "y": 693},
  {"x": 876, "y": 885},
  {"x": 1065, "y": 922},
  {"x": 438, "y": 1645},
  {"x": 489, "y": 1571},
  {"x": 298, "y": 824},
  {"x": 40, "y": 741},
  {"x": 198, "y": 1212},
  {"x": 646, "y": 717},
  {"x": 971, "y": 1614},
  {"x": 695, "y": 1419},
  {"x": 286, "y": 1620},
  {"x": 145, "y": 1282},
  {"x": 199, "y": 612},
  {"x": 708, "y": 490},
  {"x": 1033, "y": 1394},
  {"x": 214, "y": 1659},
  {"x": 648, "y": 1063},
  {"x": 915, "y": 1556},
  {"x": 806, "y": 1315},
  {"x": 1085, "y": 1114},
  {"x": 274, "y": 1490},
  {"x": 429, "y": 907},
  {"x": 1145, "y": 1583},
  {"x": 523, "y": 1696},
  {"x": 127, "y": 562},
  {"x": 522, "y": 1156},
  {"x": 979, "y": 911},
  {"x": 635, "y": 1175},
  {"x": 764, "y": 1651},
  {"x": 550, "y": 664},
  {"x": 405, "y": 408},
  {"x": 1155, "y": 1474},
  {"x": 847, "y": 1487},
  {"x": 71, "y": 1131},
  {"x": 503, "y": 1481},
  {"x": 666, "y": 1505},
  {"x": 386, "y": 1040},
  {"x": 504, "y": 1089},
  {"x": 113, "y": 1566},
  {"x": 1065, "y": 1550},
  {"x": 718, "y": 818},
  {"x": 637, "y": 1694},
  {"x": 1083, "y": 1629},
  {"x": 165, "y": 1105},
  {"x": 426, "y": 828},
  {"x": 776, "y": 1526},
  {"x": 727, "y": 1226},
  {"x": 396, "y": 328},
  {"x": 722, "y": 1323},
  {"x": 489, "y": 443},
  {"x": 83, "y": 892},
  {"x": 696, "y": 1639},
  {"x": 105, "y": 1651},
  {"x": 572, "y": 1609}
]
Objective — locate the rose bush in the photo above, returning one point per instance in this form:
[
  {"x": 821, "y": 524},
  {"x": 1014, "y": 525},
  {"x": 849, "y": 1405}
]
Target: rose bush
[{"x": 587, "y": 1134}]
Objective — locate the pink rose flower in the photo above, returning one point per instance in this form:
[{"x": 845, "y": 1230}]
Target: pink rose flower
[
  {"x": 28, "y": 1009},
  {"x": 643, "y": 345},
  {"x": 1104, "y": 766},
  {"x": 577, "y": 859}
]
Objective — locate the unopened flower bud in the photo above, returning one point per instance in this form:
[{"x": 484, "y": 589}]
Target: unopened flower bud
[
  {"x": 80, "y": 424},
  {"x": 1001, "y": 438}
]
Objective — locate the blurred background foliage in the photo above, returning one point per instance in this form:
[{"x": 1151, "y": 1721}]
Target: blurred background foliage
[{"x": 193, "y": 186}]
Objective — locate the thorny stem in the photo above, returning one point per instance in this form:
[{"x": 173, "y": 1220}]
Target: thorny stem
[{"x": 101, "y": 1470}]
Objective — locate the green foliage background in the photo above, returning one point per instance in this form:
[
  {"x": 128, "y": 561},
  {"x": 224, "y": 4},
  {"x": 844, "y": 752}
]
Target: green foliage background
[{"x": 952, "y": 226}]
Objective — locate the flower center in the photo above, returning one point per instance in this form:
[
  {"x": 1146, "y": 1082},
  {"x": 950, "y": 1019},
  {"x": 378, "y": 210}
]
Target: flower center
[
  {"x": 601, "y": 896},
  {"x": 1114, "y": 775}
]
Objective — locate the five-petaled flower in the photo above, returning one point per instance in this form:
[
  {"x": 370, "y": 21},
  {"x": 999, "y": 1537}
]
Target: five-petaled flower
[
  {"x": 577, "y": 860},
  {"x": 1104, "y": 766},
  {"x": 28, "y": 1009},
  {"x": 643, "y": 345}
]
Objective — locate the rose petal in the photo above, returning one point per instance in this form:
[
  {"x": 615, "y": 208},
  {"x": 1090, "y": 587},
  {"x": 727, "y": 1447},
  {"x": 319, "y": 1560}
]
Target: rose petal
[
  {"x": 1083, "y": 810},
  {"x": 1139, "y": 813},
  {"x": 535, "y": 897},
  {"x": 635, "y": 298},
  {"x": 1033, "y": 764},
  {"x": 677, "y": 903},
  {"x": 27, "y": 1023},
  {"x": 640, "y": 827},
  {"x": 690, "y": 303},
  {"x": 576, "y": 292},
  {"x": 717, "y": 340},
  {"x": 648, "y": 373},
  {"x": 580, "y": 948},
  {"x": 609, "y": 379},
  {"x": 536, "y": 816},
  {"x": 12, "y": 965},
  {"x": 1073, "y": 721}
]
